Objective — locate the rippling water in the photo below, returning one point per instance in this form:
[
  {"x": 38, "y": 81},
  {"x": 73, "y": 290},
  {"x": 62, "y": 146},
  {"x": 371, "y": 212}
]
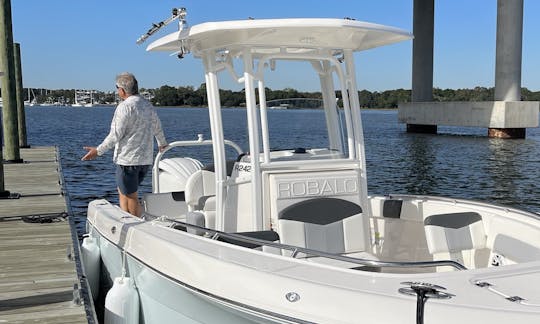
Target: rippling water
[{"x": 459, "y": 162}]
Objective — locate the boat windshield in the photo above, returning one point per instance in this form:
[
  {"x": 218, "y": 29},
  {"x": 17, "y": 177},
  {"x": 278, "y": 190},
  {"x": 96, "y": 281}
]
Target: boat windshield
[
  {"x": 296, "y": 106},
  {"x": 286, "y": 128}
]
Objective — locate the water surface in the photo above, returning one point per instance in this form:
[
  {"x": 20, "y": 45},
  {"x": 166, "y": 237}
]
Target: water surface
[{"x": 459, "y": 162}]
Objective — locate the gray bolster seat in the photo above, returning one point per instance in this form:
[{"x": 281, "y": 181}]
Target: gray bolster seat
[
  {"x": 456, "y": 236},
  {"x": 330, "y": 225},
  {"x": 454, "y": 232}
]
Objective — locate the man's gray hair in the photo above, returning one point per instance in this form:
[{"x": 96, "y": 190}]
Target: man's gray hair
[{"x": 127, "y": 82}]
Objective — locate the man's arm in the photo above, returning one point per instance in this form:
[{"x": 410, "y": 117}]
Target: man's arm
[
  {"x": 92, "y": 153},
  {"x": 157, "y": 131},
  {"x": 118, "y": 125}
]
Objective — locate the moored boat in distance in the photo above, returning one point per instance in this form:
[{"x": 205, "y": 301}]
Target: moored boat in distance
[
  {"x": 31, "y": 99},
  {"x": 90, "y": 103},
  {"x": 83, "y": 98},
  {"x": 264, "y": 234}
]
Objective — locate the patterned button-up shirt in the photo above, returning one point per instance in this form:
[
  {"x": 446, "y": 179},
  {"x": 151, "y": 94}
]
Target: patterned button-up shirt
[{"x": 133, "y": 127}]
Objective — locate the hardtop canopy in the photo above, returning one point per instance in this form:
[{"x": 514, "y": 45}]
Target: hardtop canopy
[
  {"x": 268, "y": 36},
  {"x": 328, "y": 46}
]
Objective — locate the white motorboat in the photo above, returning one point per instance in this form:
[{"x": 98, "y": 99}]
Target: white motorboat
[
  {"x": 292, "y": 236},
  {"x": 83, "y": 98},
  {"x": 91, "y": 102}
]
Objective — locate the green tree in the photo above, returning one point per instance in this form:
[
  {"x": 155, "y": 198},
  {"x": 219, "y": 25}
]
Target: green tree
[{"x": 166, "y": 96}]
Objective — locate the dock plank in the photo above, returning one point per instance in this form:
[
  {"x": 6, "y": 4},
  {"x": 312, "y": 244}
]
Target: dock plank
[{"x": 37, "y": 277}]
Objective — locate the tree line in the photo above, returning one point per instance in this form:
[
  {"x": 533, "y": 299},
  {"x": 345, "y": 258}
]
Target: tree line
[{"x": 189, "y": 96}]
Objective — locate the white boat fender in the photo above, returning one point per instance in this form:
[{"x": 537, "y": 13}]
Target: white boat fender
[
  {"x": 122, "y": 302},
  {"x": 91, "y": 258}
]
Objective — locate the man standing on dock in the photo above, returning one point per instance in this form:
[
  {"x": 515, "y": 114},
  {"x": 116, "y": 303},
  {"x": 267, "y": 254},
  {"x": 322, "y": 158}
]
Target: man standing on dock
[{"x": 134, "y": 124}]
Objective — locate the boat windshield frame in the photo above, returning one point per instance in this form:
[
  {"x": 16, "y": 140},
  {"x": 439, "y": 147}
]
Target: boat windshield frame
[{"x": 326, "y": 63}]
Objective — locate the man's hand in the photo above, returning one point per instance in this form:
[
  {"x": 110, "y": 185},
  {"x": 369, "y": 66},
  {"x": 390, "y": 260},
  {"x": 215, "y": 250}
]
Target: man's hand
[
  {"x": 92, "y": 153},
  {"x": 163, "y": 147}
]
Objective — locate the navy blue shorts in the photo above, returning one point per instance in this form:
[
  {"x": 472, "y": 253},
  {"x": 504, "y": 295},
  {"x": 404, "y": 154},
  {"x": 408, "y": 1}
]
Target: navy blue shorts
[{"x": 129, "y": 177}]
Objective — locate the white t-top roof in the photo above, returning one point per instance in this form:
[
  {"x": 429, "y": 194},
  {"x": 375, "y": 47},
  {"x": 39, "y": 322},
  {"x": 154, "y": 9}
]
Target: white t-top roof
[{"x": 267, "y": 34}]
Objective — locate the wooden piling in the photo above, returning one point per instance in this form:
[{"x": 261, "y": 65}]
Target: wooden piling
[
  {"x": 21, "y": 116},
  {"x": 11, "y": 151}
]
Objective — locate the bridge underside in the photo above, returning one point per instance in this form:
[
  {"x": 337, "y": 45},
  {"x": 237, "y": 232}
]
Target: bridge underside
[{"x": 503, "y": 119}]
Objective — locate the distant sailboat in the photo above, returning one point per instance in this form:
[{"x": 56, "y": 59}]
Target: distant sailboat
[
  {"x": 31, "y": 98},
  {"x": 33, "y": 102}
]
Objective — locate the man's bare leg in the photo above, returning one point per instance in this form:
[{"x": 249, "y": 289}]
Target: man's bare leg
[
  {"x": 123, "y": 200},
  {"x": 130, "y": 203}
]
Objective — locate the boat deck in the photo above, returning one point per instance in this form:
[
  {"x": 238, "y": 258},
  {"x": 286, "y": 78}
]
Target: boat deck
[{"x": 38, "y": 271}]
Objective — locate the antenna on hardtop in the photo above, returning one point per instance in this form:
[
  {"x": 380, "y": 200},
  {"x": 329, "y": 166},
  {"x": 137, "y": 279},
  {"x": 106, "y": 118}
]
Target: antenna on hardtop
[{"x": 177, "y": 13}]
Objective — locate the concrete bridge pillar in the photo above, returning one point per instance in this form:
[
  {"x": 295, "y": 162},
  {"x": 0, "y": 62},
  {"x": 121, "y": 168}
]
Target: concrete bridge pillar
[
  {"x": 505, "y": 117},
  {"x": 508, "y": 60},
  {"x": 422, "y": 65}
]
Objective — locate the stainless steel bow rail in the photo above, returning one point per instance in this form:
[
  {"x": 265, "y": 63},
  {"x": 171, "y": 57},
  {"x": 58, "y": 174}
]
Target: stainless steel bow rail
[
  {"x": 214, "y": 234},
  {"x": 421, "y": 290}
]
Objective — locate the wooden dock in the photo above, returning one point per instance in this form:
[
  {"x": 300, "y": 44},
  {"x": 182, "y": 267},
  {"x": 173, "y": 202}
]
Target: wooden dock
[{"x": 39, "y": 255}]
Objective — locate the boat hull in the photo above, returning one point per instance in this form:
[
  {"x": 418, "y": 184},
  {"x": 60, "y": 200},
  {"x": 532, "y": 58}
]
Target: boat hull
[
  {"x": 167, "y": 300},
  {"x": 187, "y": 278}
]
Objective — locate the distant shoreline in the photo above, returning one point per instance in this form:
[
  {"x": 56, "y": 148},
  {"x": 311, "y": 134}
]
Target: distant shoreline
[
  {"x": 196, "y": 97},
  {"x": 224, "y": 107},
  {"x": 188, "y": 107}
]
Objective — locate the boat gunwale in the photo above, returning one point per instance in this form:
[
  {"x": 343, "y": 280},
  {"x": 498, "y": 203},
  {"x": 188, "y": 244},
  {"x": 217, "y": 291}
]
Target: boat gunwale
[
  {"x": 470, "y": 202},
  {"x": 316, "y": 253}
]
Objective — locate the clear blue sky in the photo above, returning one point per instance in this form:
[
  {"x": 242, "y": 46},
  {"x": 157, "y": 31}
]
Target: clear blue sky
[{"x": 84, "y": 44}]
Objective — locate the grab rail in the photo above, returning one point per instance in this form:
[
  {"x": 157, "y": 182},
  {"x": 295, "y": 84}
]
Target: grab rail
[
  {"x": 199, "y": 142},
  {"x": 296, "y": 249}
]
